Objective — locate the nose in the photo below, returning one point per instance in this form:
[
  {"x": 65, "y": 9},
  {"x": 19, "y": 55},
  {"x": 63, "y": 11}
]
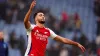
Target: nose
[{"x": 43, "y": 17}]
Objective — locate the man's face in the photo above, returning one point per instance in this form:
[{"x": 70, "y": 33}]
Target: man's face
[{"x": 40, "y": 18}]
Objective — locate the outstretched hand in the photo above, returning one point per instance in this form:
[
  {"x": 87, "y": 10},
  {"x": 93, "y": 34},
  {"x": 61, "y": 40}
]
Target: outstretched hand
[
  {"x": 32, "y": 4},
  {"x": 81, "y": 47}
]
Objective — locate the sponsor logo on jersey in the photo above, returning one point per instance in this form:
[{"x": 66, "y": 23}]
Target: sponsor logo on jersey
[{"x": 41, "y": 36}]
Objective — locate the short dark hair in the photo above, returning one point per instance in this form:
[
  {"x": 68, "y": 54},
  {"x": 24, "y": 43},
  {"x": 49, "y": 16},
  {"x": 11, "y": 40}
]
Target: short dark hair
[{"x": 36, "y": 12}]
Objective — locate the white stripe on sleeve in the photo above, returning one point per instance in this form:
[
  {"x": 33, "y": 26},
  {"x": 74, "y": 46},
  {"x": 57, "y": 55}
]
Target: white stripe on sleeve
[
  {"x": 52, "y": 34},
  {"x": 29, "y": 30},
  {"x": 29, "y": 39}
]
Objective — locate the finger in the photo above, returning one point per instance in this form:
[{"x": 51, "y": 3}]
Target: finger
[
  {"x": 34, "y": 0},
  {"x": 82, "y": 49},
  {"x": 33, "y": 3}
]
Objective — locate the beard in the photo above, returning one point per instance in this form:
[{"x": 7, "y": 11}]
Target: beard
[{"x": 42, "y": 22}]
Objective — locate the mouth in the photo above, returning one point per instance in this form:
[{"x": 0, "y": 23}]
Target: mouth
[{"x": 42, "y": 22}]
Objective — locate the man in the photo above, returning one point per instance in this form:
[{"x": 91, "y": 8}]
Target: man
[
  {"x": 3, "y": 46},
  {"x": 38, "y": 34}
]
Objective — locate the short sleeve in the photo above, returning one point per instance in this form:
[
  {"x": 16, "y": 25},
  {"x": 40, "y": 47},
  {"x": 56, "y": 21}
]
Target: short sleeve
[
  {"x": 52, "y": 34},
  {"x": 29, "y": 30}
]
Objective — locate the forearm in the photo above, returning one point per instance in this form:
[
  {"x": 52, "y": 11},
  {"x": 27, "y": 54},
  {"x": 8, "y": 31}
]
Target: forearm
[
  {"x": 27, "y": 16},
  {"x": 65, "y": 41},
  {"x": 70, "y": 42}
]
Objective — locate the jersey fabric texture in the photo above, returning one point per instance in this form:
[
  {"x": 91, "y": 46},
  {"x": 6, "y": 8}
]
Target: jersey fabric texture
[{"x": 37, "y": 40}]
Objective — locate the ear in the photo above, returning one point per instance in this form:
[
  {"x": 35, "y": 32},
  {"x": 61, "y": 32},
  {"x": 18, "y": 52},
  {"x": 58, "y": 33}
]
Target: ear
[{"x": 36, "y": 20}]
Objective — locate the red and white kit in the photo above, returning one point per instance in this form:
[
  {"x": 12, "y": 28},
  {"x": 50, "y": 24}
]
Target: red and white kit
[{"x": 37, "y": 40}]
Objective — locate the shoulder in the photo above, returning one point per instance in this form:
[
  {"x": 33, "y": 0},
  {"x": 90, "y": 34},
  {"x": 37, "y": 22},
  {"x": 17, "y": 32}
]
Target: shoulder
[
  {"x": 48, "y": 29},
  {"x": 52, "y": 34},
  {"x": 33, "y": 25}
]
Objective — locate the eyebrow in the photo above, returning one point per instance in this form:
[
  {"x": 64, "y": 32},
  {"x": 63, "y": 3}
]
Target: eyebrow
[{"x": 42, "y": 14}]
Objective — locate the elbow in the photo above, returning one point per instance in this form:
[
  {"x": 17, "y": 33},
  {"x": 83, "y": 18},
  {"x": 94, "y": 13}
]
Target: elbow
[{"x": 25, "y": 21}]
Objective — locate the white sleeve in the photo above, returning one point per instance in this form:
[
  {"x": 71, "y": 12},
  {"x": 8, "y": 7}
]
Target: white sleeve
[
  {"x": 52, "y": 34},
  {"x": 29, "y": 30}
]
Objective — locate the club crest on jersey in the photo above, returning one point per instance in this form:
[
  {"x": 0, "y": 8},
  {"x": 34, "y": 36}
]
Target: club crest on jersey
[
  {"x": 45, "y": 32},
  {"x": 32, "y": 54},
  {"x": 37, "y": 31}
]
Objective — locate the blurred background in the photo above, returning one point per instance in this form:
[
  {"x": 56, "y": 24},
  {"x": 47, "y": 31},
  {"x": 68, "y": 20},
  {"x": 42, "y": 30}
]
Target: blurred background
[{"x": 78, "y": 20}]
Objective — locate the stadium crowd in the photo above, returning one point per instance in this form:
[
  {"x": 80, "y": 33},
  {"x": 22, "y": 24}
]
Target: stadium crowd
[{"x": 12, "y": 13}]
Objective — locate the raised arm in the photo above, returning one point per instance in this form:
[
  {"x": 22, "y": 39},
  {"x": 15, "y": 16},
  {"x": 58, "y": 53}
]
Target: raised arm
[
  {"x": 70, "y": 42},
  {"x": 27, "y": 16}
]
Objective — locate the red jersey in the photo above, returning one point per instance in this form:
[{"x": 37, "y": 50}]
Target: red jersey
[{"x": 37, "y": 40}]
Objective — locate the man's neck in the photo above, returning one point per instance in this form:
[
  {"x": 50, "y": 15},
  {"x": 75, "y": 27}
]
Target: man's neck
[{"x": 40, "y": 25}]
